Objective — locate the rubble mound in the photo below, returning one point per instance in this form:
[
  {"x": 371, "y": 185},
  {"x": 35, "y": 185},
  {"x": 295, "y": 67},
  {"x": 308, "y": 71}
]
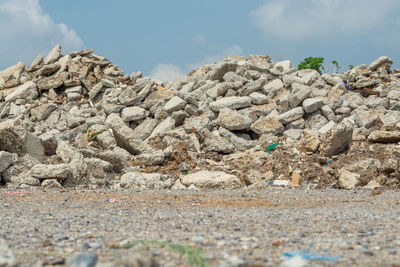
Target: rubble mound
[{"x": 78, "y": 120}]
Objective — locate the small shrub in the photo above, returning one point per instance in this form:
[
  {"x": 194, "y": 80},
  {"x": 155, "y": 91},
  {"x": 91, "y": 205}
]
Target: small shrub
[{"x": 312, "y": 63}]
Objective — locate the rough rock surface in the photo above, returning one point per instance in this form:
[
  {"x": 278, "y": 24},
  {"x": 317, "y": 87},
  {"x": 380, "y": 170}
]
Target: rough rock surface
[{"x": 80, "y": 111}]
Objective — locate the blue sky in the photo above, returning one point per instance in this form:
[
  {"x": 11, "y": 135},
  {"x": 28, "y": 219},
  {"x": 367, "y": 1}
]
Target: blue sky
[{"x": 166, "y": 39}]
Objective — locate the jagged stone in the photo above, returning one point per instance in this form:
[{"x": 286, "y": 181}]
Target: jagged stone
[
  {"x": 26, "y": 91},
  {"x": 336, "y": 140},
  {"x": 233, "y": 102},
  {"x": 56, "y": 171},
  {"x": 10, "y": 77},
  {"x": 291, "y": 115},
  {"x": 211, "y": 180},
  {"x": 233, "y": 120},
  {"x": 54, "y": 55},
  {"x": 265, "y": 125}
]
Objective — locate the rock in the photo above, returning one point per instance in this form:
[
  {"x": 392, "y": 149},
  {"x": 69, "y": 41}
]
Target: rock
[
  {"x": 55, "y": 171},
  {"x": 35, "y": 65},
  {"x": 151, "y": 158},
  {"x": 336, "y": 140},
  {"x": 10, "y": 77},
  {"x": 6, "y": 159},
  {"x": 379, "y": 136},
  {"x": 388, "y": 120},
  {"x": 7, "y": 258},
  {"x": 82, "y": 260},
  {"x": 174, "y": 104},
  {"x": 134, "y": 114},
  {"x": 33, "y": 146},
  {"x": 291, "y": 115},
  {"x": 96, "y": 90},
  {"x": 294, "y": 134},
  {"x": 372, "y": 185},
  {"x": 53, "y": 81},
  {"x": 107, "y": 83},
  {"x": 164, "y": 126},
  {"x": 258, "y": 98},
  {"x": 51, "y": 183},
  {"x": 266, "y": 125},
  {"x": 43, "y": 111},
  {"x": 49, "y": 69},
  {"x": 366, "y": 118},
  {"x": 211, "y": 180},
  {"x": 143, "y": 130},
  {"x": 137, "y": 180},
  {"x": 300, "y": 92},
  {"x": 285, "y": 64},
  {"x": 24, "y": 179},
  {"x": 311, "y": 105},
  {"x": 232, "y": 102},
  {"x": 54, "y": 55},
  {"x": 379, "y": 62},
  {"x": 76, "y": 163},
  {"x": 218, "y": 144},
  {"x": 26, "y": 91},
  {"x": 12, "y": 137},
  {"x": 347, "y": 179},
  {"x": 272, "y": 88},
  {"x": 133, "y": 260},
  {"x": 233, "y": 120}
]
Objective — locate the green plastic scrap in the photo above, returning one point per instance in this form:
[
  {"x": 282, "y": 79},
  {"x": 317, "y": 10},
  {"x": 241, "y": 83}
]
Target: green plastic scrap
[{"x": 271, "y": 147}]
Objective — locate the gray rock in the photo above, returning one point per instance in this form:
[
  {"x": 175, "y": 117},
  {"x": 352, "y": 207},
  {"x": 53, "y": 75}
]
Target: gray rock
[
  {"x": 272, "y": 88},
  {"x": 164, "y": 126},
  {"x": 174, "y": 104},
  {"x": 134, "y": 114},
  {"x": 54, "y": 55},
  {"x": 55, "y": 171},
  {"x": 144, "y": 129},
  {"x": 49, "y": 69},
  {"x": 107, "y": 83},
  {"x": 12, "y": 137},
  {"x": 35, "y": 65},
  {"x": 311, "y": 105},
  {"x": 293, "y": 134},
  {"x": 233, "y": 120},
  {"x": 10, "y": 77},
  {"x": 347, "y": 179},
  {"x": 379, "y": 62},
  {"x": 198, "y": 123},
  {"x": 26, "y": 91},
  {"x": 366, "y": 118},
  {"x": 6, "y": 159},
  {"x": 328, "y": 113},
  {"x": 33, "y": 146},
  {"x": 81, "y": 52},
  {"x": 258, "y": 98},
  {"x": 76, "y": 163},
  {"x": 291, "y": 115},
  {"x": 388, "y": 120},
  {"x": 221, "y": 88},
  {"x": 233, "y": 102},
  {"x": 219, "y": 144},
  {"x": 96, "y": 90},
  {"x": 73, "y": 97},
  {"x": 211, "y": 180},
  {"x": 233, "y": 77},
  {"x": 266, "y": 125},
  {"x": 252, "y": 87},
  {"x": 53, "y": 81},
  {"x": 310, "y": 77},
  {"x": 336, "y": 140},
  {"x": 128, "y": 97},
  {"x": 82, "y": 260},
  {"x": 300, "y": 92},
  {"x": 379, "y": 136},
  {"x": 238, "y": 142},
  {"x": 43, "y": 111},
  {"x": 137, "y": 180},
  {"x": 51, "y": 183},
  {"x": 151, "y": 158},
  {"x": 7, "y": 258}
]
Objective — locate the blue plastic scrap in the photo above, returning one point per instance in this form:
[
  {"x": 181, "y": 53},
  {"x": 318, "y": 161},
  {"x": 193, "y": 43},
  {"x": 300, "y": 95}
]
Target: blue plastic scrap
[
  {"x": 307, "y": 255},
  {"x": 346, "y": 85}
]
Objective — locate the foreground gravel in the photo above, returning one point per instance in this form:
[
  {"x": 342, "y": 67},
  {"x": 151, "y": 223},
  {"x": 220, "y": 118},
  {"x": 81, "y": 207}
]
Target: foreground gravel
[{"x": 255, "y": 228}]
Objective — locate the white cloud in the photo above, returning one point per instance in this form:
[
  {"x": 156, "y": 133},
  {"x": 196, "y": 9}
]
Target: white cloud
[
  {"x": 296, "y": 20},
  {"x": 199, "y": 39},
  {"x": 170, "y": 72},
  {"x": 29, "y": 31},
  {"x": 167, "y": 72}
]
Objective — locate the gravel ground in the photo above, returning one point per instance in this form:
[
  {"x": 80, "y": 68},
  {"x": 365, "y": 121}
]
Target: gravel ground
[{"x": 254, "y": 228}]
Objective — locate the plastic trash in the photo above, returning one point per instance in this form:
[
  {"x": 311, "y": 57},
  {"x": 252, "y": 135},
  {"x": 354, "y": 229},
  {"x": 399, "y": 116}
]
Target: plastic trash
[
  {"x": 307, "y": 255},
  {"x": 346, "y": 85},
  {"x": 8, "y": 193},
  {"x": 112, "y": 200},
  {"x": 272, "y": 147},
  {"x": 280, "y": 182}
]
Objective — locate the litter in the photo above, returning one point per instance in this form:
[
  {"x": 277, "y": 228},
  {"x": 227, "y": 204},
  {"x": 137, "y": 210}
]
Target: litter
[
  {"x": 307, "y": 255},
  {"x": 346, "y": 85},
  {"x": 280, "y": 182},
  {"x": 112, "y": 200},
  {"x": 271, "y": 147}
]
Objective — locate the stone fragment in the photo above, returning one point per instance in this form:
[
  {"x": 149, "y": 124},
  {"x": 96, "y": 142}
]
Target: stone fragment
[
  {"x": 374, "y": 65},
  {"x": 272, "y": 88},
  {"x": 219, "y": 144},
  {"x": 233, "y": 120},
  {"x": 51, "y": 183},
  {"x": 10, "y": 77},
  {"x": 49, "y": 69},
  {"x": 144, "y": 129},
  {"x": 291, "y": 115},
  {"x": 366, "y": 118},
  {"x": 211, "y": 180},
  {"x": 82, "y": 260},
  {"x": 55, "y": 171},
  {"x": 134, "y": 114},
  {"x": 267, "y": 125},
  {"x": 6, "y": 159},
  {"x": 35, "y": 65},
  {"x": 380, "y": 136},
  {"x": 137, "y": 180},
  {"x": 33, "y": 146},
  {"x": 96, "y": 90},
  {"x": 258, "y": 98},
  {"x": 43, "y": 111},
  {"x": 76, "y": 163},
  {"x": 7, "y": 258},
  {"x": 53, "y": 81},
  {"x": 174, "y": 104},
  {"x": 164, "y": 126},
  {"x": 232, "y": 102},
  {"x": 336, "y": 140},
  {"x": 26, "y": 91},
  {"x": 54, "y": 55},
  {"x": 107, "y": 83},
  {"x": 311, "y": 105},
  {"x": 12, "y": 137},
  {"x": 347, "y": 179},
  {"x": 300, "y": 92}
]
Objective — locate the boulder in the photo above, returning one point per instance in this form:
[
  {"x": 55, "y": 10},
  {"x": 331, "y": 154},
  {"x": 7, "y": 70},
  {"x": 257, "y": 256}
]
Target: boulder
[
  {"x": 211, "y": 180},
  {"x": 233, "y": 120},
  {"x": 336, "y": 140}
]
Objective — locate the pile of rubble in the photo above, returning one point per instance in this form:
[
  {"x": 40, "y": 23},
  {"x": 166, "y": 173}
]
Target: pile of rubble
[{"x": 76, "y": 119}]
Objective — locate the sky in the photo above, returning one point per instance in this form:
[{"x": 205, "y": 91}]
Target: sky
[{"x": 167, "y": 39}]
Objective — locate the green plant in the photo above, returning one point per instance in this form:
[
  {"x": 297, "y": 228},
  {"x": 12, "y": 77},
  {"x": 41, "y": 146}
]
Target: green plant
[
  {"x": 351, "y": 67},
  {"x": 312, "y": 63},
  {"x": 194, "y": 255}
]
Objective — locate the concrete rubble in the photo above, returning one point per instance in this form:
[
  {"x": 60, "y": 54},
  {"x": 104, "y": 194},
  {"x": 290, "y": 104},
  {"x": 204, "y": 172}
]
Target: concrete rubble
[{"x": 78, "y": 120}]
